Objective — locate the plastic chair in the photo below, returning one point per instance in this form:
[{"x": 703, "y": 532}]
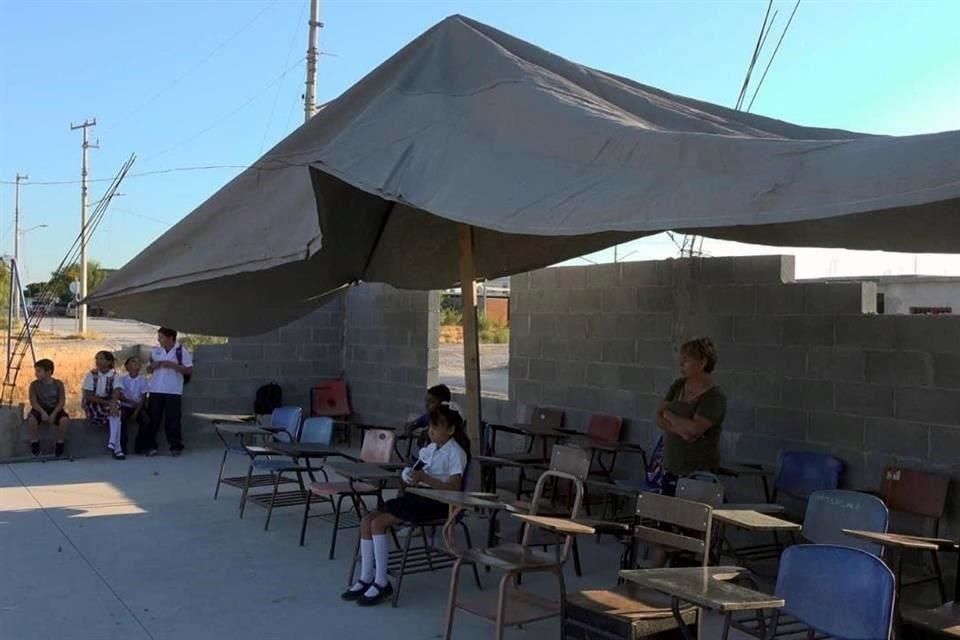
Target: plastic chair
[
  {"x": 317, "y": 431},
  {"x": 313, "y": 430},
  {"x": 285, "y": 425},
  {"x": 830, "y": 512},
  {"x": 837, "y": 590},
  {"x": 800, "y": 473},
  {"x": 921, "y": 494},
  {"x": 605, "y": 429},
  {"x": 330, "y": 399},
  {"x": 377, "y": 449}
]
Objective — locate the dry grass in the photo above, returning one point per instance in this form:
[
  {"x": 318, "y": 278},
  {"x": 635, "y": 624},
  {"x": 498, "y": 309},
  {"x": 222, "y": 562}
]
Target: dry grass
[{"x": 73, "y": 360}]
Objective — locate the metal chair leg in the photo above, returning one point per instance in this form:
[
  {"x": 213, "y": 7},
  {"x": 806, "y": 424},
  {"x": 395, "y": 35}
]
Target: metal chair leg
[
  {"x": 273, "y": 497},
  {"x": 502, "y": 605},
  {"x": 353, "y": 565},
  {"x": 336, "y": 523},
  {"x": 576, "y": 559},
  {"x": 476, "y": 572},
  {"x": 452, "y": 598},
  {"x": 220, "y": 475},
  {"x": 246, "y": 490},
  {"x": 939, "y": 576},
  {"x": 426, "y": 547},
  {"x": 306, "y": 516},
  {"x": 403, "y": 567}
]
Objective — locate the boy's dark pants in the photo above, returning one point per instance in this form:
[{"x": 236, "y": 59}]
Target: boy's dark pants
[
  {"x": 144, "y": 433},
  {"x": 165, "y": 409}
]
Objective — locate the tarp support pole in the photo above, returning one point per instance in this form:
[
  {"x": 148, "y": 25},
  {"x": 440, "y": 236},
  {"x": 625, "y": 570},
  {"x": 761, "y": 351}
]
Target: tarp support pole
[{"x": 471, "y": 338}]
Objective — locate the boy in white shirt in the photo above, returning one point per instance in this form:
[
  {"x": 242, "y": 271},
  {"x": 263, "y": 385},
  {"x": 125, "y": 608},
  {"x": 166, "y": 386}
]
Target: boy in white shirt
[
  {"x": 133, "y": 403},
  {"x": 101, "y": 401},
  {"x": 171, "y": 367}
]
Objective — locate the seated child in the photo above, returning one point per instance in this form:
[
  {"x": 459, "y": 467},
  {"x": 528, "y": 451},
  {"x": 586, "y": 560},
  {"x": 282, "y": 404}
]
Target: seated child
[
  {"x": 436, "y": 396},
  {"x": 101, "y": 401},
  {"x": 133, "y": 405},
  {"x": 47, "y": 399},
  {"x": 441, "y": 465}
]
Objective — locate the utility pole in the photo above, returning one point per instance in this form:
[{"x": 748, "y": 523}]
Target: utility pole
[
  {"x": 82, "y": 309},
  {"x": 16, "y": 233},
  {"x": 310, "y": 95}
]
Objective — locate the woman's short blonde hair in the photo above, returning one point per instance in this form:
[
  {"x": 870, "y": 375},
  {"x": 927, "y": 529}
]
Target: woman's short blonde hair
[{"x": 701, "y": 349}]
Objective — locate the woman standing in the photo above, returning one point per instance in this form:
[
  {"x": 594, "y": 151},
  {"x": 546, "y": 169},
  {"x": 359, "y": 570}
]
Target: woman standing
[{"x": 691, "y": 416}]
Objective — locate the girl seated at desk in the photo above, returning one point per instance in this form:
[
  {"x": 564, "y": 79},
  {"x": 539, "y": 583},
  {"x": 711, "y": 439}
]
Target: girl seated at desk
[{"x": 441, "y": 465}]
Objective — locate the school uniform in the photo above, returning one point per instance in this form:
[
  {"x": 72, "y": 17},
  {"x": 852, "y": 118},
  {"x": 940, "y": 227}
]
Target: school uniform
[
  {"x": 134, "y": 390},
  {"x": 103, "y": 385},
  {"x": 440, "y": 463},
  {"x": 166, "y": 396}
]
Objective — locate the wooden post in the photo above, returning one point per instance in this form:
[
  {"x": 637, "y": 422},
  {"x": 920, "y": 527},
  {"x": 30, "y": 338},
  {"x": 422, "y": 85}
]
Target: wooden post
[{"x": 471, "y": 338}]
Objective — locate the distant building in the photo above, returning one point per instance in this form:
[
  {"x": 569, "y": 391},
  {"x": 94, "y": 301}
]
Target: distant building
[
  {"x": 913, "y": 294},
  {"x": 493, "y": 299}
]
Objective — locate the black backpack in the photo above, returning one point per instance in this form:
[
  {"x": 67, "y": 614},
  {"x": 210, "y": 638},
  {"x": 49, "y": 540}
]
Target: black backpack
[{"x": 269, "y": 397}]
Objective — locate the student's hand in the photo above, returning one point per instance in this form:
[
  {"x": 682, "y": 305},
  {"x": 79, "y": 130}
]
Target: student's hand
[
  {"x": 417, "y": 477},
  {"x": 44, "y": 416}
]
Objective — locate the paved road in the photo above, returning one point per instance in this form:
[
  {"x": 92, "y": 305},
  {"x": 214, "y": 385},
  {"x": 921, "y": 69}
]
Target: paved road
[
  {"x": 494, "y": 361},
  {"x": 109, "y": 330}
]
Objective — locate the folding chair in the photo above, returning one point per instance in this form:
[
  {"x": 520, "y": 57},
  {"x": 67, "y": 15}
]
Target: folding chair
[
  {"x": 836, "y": 591},
  {"x": 924, "y": 495},
  {"x": 515, "y": 606},
  {"x": 377, "y": 449},
  {"x": 285, "y": 425},
  {"x": 628, "y": 611}
]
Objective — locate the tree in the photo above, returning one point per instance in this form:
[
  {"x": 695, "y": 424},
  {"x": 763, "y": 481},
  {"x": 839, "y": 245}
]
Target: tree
[
  {"x": 60, "y": 282},
  {"x": 34, "y": 289}
]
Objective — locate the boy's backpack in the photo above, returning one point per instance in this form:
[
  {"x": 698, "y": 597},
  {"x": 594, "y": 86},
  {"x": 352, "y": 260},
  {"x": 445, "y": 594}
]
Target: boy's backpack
[
  {"x": 269, "y": 397},
  {"x": 187, "y": 377}
]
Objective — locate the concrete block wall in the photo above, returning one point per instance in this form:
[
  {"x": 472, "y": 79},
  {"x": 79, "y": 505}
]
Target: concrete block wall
[
  {"x": 226, "y": 376},
  {"x": 391, "y": 351},
  {"x": 804, "y": 365},
  {"x": 383, "y": 341}
]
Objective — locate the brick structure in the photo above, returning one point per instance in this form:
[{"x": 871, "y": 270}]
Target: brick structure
[
  {"x": 804, "y": 365},
  {"x": 383, "y": 341}
]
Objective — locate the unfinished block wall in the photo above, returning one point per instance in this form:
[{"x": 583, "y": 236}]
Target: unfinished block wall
[
  {"x": 804, "y": 365},
  {"x": 382, "y": 340}
]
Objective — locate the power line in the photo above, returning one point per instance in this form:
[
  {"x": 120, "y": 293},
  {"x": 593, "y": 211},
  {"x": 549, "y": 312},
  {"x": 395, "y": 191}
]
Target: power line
[
  {"x": 756, "y": 53},
  {"x": 230, "y": 114},
  {"x": 773, "y": 55},
  {"x": 123, "y": 120},
  {"x": 286, "y": 61}
]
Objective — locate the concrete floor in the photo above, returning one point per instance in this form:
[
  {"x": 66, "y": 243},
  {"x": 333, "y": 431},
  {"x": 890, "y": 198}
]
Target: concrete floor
[{"x": 98, "y": 549}]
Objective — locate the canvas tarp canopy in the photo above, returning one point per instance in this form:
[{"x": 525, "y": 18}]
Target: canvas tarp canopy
[{"x": 545, "y": 159}]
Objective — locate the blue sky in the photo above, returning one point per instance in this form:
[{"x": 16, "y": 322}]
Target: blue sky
[{"x": 194, "y": 83}]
